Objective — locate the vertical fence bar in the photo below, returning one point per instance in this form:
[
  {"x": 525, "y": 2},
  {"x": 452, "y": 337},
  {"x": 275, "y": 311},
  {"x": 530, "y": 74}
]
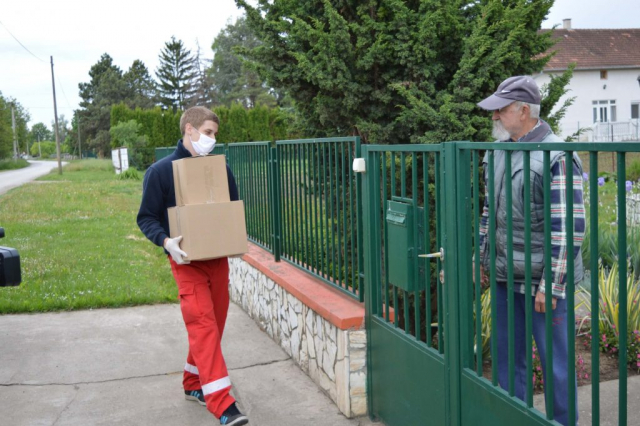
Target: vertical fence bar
[
  {"x": 403, "y": 175},
  {"x": 316, "y": 199},
  {"x": 548, "y": 385},
  {"x": 352, "y": 208},
  {"x": 265, "y": 195},
  {"x": 416, "y": 274},
  {"x": 439, "y": 243},
  {"x": 304, "y": 205},
  {"x": 324, "y": 211},
  {"x": 595, "y": 291},
  {"x": 492, "y": 266},
  {"x": 331, "y": 216},
  {"x": 297, "y": 206},
  {"x": 338, "y": 276},
  {"x": 307, "y": 191},
  {"x": 392, "y": 193},
  {"x": 477, "y": 212},
  {"x": 527, "y": 276},
  {"x": 622, "y": 289},
  {"x": 384, "y": 231},
  {"x": 510, "y": 285},
  {"x": 427, "y": 245},
  {"x": 570, "y": 289},
  {"x": 284, "y": 167},
  {"x": 345, "y": 255},
  {"x": 275, "y": 202},
  {"x": 359, "y": 236}
]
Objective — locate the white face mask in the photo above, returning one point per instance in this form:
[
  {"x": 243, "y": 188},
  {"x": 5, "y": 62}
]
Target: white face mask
[{"x": 204, "y": 145}]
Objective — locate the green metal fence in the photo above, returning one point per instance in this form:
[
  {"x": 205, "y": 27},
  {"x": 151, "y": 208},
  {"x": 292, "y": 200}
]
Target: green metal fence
[
  {"x": 251, "y": 168},
  {"x": 444, "y": 378},
  {"x": 318, "y": 209},
  {"x": 468, "y": 155},
  {"x": 302, "y": 204}
]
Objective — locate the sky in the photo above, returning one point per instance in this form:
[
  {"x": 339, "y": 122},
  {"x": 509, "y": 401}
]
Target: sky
[{"x": 77, "y": 32}]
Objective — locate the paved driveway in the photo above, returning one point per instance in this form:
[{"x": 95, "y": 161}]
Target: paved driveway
[{"x": 12, "y": 178}]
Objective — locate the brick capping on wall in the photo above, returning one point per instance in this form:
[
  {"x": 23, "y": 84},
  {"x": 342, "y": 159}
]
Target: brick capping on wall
[{"x": 339, "y": 309}]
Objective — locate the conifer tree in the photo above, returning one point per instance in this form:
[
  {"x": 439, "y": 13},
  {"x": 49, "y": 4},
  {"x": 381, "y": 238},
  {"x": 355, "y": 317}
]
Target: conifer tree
[
  {"x": 176, "y": 75},
  {"x": 396, "y": 71}
]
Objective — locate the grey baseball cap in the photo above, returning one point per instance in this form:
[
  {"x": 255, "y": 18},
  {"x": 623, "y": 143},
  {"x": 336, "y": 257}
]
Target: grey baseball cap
[{"x": 521, "y": 88}]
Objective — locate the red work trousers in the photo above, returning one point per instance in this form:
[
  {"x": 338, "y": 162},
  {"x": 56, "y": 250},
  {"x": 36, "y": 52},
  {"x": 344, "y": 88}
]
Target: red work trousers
[{"x": 204, "y": 300}]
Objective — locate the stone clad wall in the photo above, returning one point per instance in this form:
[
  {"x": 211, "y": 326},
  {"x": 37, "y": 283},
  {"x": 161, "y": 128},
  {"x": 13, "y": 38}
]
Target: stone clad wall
[{"x": 333, "y": 358}]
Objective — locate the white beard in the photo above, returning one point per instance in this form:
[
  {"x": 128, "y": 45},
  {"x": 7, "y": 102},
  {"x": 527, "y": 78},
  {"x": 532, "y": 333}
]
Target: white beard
[{"x": 499, "y": 132}]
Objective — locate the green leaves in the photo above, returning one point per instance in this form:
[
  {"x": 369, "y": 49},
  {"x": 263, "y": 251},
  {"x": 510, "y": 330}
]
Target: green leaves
[{"x": 396, "y": 71}]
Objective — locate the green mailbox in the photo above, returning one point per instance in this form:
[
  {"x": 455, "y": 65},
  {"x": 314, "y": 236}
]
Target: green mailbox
[{"x": 400, "y": 246}]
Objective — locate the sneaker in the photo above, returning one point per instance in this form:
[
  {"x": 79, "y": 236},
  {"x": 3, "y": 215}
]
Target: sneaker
[
  {"x": 233, "y": 417},
  {"x": 195, "y": 395}
]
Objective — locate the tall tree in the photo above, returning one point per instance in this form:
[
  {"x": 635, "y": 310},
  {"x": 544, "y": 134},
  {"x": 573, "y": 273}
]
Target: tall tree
[
  {"x": 40, "y": 132},
  {"x": 6, "y": 126},
  {"x": 106, "y": 88},
  {"x": 141, "y": 87},
  {"x": 395, "y": 71},
  {"x": 203, "y": 89},
  {"x": 63, "y": 128},
  {"x": 176, "y": 74},
  {"x": 236, "y": 80}
]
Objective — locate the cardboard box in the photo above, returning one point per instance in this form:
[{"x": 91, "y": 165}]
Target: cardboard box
[
  {"x": 210, "y": 230},
  {"x": 201, "y": 179}
]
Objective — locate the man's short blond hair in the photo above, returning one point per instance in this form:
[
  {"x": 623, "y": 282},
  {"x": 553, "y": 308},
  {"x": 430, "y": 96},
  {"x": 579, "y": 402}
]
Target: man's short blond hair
[{"x": 196, "y": 116}]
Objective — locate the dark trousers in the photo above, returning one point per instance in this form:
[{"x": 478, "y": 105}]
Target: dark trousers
[{"x": 561, "y": 380}]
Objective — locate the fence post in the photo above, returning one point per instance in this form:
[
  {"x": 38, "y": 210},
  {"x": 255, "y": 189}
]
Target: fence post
[
  {"x": 359, "y": 209},
  {"x": 274, "y": 198}
]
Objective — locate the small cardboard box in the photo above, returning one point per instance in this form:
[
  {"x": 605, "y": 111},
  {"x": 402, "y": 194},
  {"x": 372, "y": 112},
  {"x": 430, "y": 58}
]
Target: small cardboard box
[
  {"x": 201, "y": 179},
  {"x": 210, "y": 230}
]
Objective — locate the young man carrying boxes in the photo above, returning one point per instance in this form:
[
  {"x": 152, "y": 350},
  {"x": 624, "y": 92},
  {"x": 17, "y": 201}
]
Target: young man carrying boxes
[{"x": 212, "y": 227}]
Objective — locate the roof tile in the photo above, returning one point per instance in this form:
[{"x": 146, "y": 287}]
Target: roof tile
[{"x": 595, "y": 48}]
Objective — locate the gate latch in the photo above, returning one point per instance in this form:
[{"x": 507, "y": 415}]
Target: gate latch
[{"x": 436, "y": 255}]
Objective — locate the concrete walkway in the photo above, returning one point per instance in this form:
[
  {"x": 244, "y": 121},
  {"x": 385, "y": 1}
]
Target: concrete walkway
[{"x": 124, "y": 367}]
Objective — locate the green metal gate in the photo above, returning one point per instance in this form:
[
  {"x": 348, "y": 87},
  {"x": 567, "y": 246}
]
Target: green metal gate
[{"x": 425, "y": 363}]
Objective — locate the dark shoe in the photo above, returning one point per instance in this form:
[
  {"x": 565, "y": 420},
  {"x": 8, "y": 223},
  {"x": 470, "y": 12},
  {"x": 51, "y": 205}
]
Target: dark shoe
[
  {"x": 233, "y": 417},
  {"x": 195, "y": 395}
]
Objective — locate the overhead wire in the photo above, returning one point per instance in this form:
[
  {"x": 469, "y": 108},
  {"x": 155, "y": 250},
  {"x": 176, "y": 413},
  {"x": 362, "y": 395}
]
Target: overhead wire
[{"x": 20, "y": 43}]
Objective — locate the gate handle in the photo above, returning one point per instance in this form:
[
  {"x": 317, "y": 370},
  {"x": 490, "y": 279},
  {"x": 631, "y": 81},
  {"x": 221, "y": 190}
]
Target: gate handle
[{"x": 436, "y": 255}]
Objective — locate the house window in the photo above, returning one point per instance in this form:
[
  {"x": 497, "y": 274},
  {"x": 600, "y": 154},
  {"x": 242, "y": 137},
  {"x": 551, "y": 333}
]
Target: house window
[
  {"x": 603, "y": 74},
  {"x": 635, "y": 110},
  {"x": 604, "y": 111}
]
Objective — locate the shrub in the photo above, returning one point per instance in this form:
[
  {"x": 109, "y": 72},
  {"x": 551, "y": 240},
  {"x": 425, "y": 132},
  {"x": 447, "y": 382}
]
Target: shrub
[
  {"x": 633, "y": 171},
  {"x": 609, "y": 310},
  {"x": 130, "y": 174},
  {"x": 10, "y": 164}
]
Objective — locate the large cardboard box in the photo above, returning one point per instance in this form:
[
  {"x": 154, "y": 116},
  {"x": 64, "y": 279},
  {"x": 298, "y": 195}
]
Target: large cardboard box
[
  {"x": 201, "y": 179},
  {"x": 210, "y": 230}
]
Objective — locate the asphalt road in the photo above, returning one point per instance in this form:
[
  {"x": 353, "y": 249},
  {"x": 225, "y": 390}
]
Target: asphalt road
[{"x": 12, "y": 178}]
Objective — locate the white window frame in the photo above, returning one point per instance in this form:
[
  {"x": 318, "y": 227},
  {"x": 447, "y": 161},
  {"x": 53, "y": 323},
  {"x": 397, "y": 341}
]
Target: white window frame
[{"x": 605, "y": 111}]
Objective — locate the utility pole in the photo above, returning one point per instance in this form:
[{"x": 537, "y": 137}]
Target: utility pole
[
  {"x": 55, "y": 111},
  {"x": 15, "y": 135}
]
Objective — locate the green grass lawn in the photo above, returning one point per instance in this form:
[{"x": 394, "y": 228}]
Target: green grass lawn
[{"x": 79, "y": 243}]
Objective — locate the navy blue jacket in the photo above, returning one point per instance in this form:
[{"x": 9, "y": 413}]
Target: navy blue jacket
[{"x": 158, "y": 194}]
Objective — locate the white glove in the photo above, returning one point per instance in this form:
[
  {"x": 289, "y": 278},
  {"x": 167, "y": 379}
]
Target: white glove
[{"x": 172, "y": 245}]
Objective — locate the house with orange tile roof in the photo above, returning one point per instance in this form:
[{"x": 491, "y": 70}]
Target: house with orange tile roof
[{"x": 605, "y": 83}]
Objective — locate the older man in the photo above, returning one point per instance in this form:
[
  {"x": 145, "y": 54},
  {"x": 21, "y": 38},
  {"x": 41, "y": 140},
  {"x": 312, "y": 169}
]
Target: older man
[{"x": 516, "y": 110}]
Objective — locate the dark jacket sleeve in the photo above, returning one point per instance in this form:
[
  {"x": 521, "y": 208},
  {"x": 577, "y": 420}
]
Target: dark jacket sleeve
[
  {"x": 152, "y": 209},
  {"x": 233, "y": 188}
]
